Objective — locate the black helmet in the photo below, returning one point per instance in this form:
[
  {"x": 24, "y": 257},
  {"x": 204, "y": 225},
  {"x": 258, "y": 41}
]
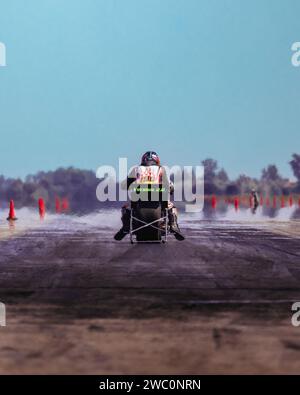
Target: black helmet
[{"x": 150, "y": 158}]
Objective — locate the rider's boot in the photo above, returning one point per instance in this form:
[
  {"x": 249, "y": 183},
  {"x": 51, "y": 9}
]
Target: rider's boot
[
  {"x": 126, "y": 225},
  {"x": 120, "y": 234},
  {"x": 174, "y": 225}
]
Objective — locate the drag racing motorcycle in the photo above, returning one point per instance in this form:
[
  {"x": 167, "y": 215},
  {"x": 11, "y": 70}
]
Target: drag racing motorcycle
[
  {"x": 151, "y": 217},
  {"x": 149, "y": 222}
]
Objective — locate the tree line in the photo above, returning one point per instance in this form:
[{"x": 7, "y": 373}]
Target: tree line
[
  {"x": 269, "y": 183},
  {"x": 79, "y": 186}
]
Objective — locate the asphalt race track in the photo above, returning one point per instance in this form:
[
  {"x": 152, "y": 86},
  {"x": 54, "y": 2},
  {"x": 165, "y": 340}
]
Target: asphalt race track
[{"x": 219, "y": 302}]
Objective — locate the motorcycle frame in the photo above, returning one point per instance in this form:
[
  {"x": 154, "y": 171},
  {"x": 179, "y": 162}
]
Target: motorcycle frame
[{"x": 164, "y": 238}]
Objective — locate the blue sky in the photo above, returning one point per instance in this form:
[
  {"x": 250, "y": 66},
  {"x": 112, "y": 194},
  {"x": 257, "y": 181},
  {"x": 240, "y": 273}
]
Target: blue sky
[{"x": 88, "y": 81}]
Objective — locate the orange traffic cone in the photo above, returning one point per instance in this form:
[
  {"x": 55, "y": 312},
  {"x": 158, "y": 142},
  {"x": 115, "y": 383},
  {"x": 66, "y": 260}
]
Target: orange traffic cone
[
  {"x": 65, "y": 204},
  {"x": 42, "y": 209},
  {"x": 236, "y": 203},
  {"x": 214, "y": 202},
  {"x": 57, "y": 205},
  {"x": 261, "y": 201},
  {"x": 11, "y": 214}
]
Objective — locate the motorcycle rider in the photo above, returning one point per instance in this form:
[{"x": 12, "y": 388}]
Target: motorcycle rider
[
  {"x": 150, "y": 163},
  {"x": 254, "y": 198}
]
